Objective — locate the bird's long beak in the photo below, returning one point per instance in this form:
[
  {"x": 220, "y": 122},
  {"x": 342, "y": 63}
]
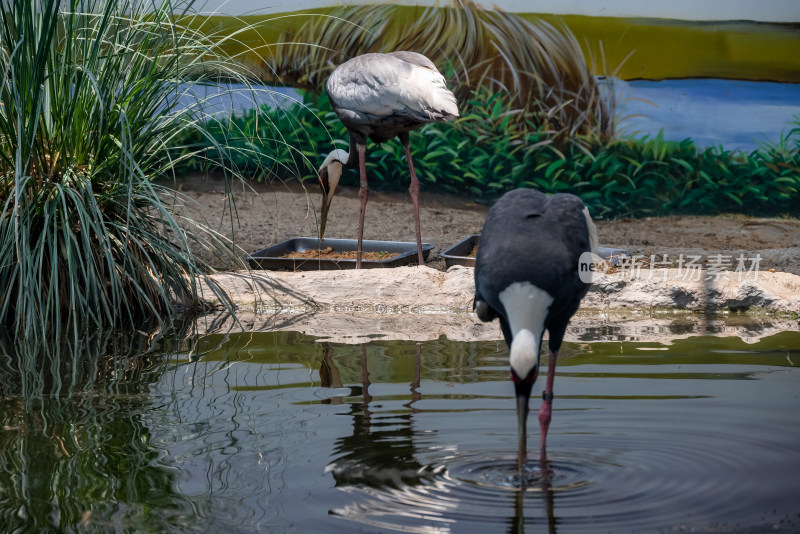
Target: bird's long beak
[
  {"x": 323, "y": 217},
  {"x": 523, "y": 389},
  {"x": 328, "y": 180}
]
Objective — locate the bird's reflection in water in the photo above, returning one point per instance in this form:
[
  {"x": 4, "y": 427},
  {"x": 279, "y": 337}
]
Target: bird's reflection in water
[
  {"x": 329, "y": 374},
  {"x": 380, "y": 461},
  {"x": 549, "y": 494},
  {"x": 545, "y": 485},
  {"x": 381, "y": 451}
]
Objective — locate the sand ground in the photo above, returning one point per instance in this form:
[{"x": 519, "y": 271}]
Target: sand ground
[{"x": 266, "y": 215}]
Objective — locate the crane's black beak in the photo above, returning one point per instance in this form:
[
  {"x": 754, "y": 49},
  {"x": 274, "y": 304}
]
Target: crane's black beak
[
  {"x": 327, "y": 195},
  {"x": 328, "y": 177},
  {"x": 523, "y": 387}
]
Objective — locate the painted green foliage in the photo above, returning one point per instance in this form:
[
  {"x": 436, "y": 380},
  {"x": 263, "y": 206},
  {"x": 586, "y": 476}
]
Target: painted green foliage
[{"x": 483, "y": 155}]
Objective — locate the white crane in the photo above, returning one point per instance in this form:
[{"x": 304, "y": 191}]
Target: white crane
[
  {"x": 379, "y": 97},
  {"x": 526, "y": 274}
]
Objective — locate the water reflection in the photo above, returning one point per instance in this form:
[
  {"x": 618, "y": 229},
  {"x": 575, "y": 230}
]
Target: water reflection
[
  {"x": 74, "y": 454},
  {"x": 516, "y": 524},
  {"x": 380, "y": 459},
  {"x": 406, "y": 469},
  {"x": 381, "y": 452},
  {"x": 279, "y": 432}
]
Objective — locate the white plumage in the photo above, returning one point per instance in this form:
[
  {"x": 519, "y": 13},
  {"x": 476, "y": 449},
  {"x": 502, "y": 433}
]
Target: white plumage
[
  {"x": 526, "y": 307},
  {"x": 396, "y": 84},
  {"x": 336, "y": 155}
]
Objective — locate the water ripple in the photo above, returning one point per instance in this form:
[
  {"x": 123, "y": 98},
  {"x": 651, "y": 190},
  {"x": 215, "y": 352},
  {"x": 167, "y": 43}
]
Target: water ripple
[{"x": 627, "y": 481}]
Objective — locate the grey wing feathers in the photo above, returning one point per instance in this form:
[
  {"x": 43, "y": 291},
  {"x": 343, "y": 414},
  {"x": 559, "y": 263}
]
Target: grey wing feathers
[
  {"x": 401, "y": 85},
  {"x": 414, "y": 58}
]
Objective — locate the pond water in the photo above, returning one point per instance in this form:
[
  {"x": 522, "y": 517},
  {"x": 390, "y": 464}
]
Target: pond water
[{"x": 279, "y": 432}]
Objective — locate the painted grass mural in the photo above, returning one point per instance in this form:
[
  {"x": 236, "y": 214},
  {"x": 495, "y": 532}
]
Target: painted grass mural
[
  {"x": 483, "y": 155},
  {"x": 658, "y": 44},
  {"x": 533, "y": 114},
  {"x": 539, "y": 68}
]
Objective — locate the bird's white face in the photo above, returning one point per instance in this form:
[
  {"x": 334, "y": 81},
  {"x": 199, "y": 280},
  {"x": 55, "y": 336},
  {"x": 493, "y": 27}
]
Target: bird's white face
[
  {"x": 524, "y": 372},
  {"x": 333, "y": 173}
]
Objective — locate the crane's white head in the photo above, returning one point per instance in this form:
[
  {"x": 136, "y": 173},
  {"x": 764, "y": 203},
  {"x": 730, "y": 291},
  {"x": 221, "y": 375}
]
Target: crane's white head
[
  {"x": 328, "y": 175},
  {"x": 524, "y": 356}
]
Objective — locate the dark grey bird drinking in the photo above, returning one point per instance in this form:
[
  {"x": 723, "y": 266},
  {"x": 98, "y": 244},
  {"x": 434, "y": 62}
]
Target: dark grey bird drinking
[{"x": 526, "y": 275}]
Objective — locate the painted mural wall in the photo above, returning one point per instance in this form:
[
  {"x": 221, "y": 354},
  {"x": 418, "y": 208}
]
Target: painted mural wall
[
  {"x": 732, "y": 39},
  {"x": 718, "y": 72}
]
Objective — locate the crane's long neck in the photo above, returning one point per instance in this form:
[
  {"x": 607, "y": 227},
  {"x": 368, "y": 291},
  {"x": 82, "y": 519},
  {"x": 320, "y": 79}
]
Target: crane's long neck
[{"x": 352, "y": 156}]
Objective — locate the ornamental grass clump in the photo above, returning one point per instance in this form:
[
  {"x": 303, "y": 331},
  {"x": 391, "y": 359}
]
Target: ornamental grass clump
[{"x": 94, "y": 95}]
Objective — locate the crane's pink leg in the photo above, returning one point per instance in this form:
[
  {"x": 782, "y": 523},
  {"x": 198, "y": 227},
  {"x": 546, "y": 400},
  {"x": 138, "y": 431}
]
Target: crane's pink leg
[
  {"x": 414, "y": 190},
  {"x": 546, "y": 411},
  {"x": 363, "y": 193}
]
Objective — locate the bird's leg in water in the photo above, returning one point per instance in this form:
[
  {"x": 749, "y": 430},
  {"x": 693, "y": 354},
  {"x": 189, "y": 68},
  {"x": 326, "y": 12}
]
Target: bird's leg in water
[
  {"x": 363, "y": 193},
  {"x": 414, "y": 190},
  {"x": 545, "y": 412}
]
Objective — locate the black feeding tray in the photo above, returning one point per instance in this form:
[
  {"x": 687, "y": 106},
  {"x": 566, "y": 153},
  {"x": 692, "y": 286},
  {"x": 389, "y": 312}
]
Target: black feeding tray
[
  {"x": 458, "y": 254},
  {"x": 270, "y": 258}
]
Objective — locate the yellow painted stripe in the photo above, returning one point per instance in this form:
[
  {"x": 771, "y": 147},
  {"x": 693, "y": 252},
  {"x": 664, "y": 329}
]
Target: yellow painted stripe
[
  {"x": 680, "y": 49},
  {"x": 657, "y": 48}
]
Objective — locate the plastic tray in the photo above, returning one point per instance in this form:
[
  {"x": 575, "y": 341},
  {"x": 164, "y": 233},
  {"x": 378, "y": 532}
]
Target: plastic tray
[
  {"x": 270, "y": 258},
  {"x": 458, "y": 254}
]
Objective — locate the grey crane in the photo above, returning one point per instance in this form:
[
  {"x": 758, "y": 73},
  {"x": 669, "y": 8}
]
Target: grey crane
[
  {"x": 379, "y": 97},
  {"x": 527, "y": 275}
]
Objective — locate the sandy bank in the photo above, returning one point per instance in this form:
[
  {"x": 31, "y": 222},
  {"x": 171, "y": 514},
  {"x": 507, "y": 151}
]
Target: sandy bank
[{"x": 421, "y": 303}]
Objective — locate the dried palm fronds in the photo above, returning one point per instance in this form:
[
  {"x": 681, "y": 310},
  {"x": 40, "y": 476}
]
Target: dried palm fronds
[{"x": 539, "y": 67}]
